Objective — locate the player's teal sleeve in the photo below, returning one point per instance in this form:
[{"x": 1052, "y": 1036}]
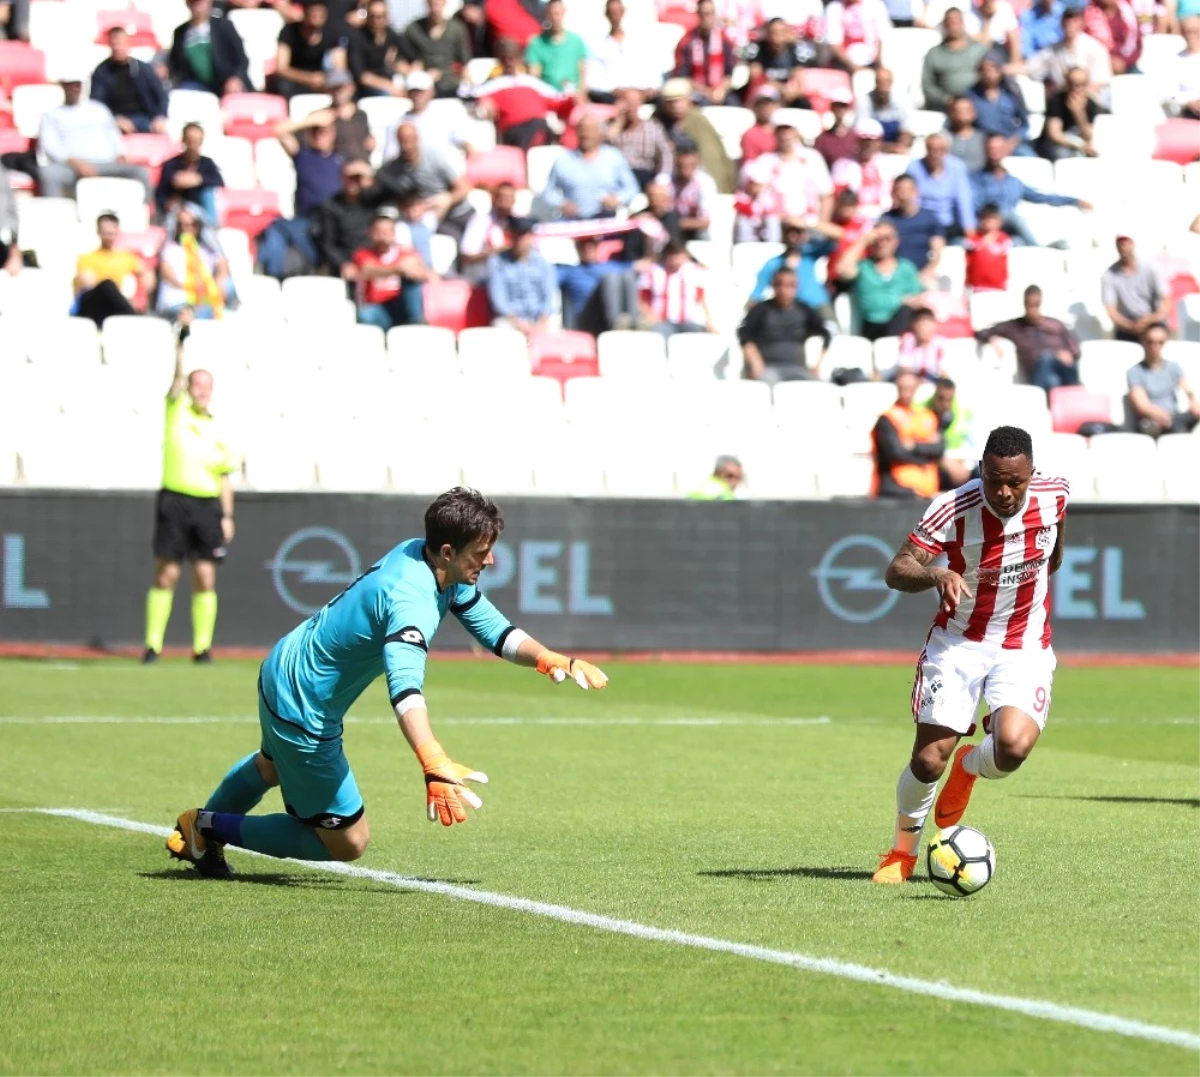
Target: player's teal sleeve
[
  {"x": 479, "y": 617},
  {"x": 411, "y": 622}
]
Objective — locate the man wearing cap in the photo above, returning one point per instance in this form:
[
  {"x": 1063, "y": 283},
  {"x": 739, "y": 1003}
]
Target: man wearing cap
[
  {"x": 521, "y": 283},
  {"x": 442, "y": 133},
  {"x": 308, "y": 51},
  {"x": 839, "y": 140},
  {"x": 340, "y": 225},
  {"x": 705, "y": 56},
  {"x": 80, "y": 139},
  {"x": 869, "y": 174},
  {"x": 760, "y": 138},
  {"x": 643, "y": 143},
  {"x": 681, "y": 119}
]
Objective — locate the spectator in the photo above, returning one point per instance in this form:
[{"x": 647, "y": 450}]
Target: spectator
[
  {"x": 1114, "y": 24},
  {"x": 995, "y": 25},
  {"x": 705, "y": 57},
  {"x": 682, "y": 120},
  {"x": 723, "y": 483},
  {"x": 671, "y": 295},
  {"x": 776, "y": 60},
  {"x": 1070, "y": 116},
  {"x": 439, "y": 46},
  {"x": 922, "y": 238},
  {"x": 1136, "y": 295},
  {"x": 1076, "y": 49},
  {"x": 643, "y": 143},
  {"x": 10, "y": 246},
  {"x": 839, "y": 141},
  {"x": 1183, "y": 80},
  {"x": 597, "y": 295},
  {"x": 207, "y": 53},
  {"x": 1154, "y": 387},
  {"x": 308, "y": 52},
  {"x": 427, "y": 174},
  {"x": 80, "y": 139},
  {"x": 105, "y": 277},
  {"x": 775, "y": 332},
  {"x": 922, "y": 348},
  {"x": 657, "y": 225},
  {"x": 437, "y": 131},
  {"x": 882, "y": 105},
  {"x": 987, "y": 252},
  {"x": 907, "y": 446},
  {"x": 956, "y": 424},
  {"x": 945, "y": 187},
  {"x": 557, "y": 55},
  {"x": 612, "y": 62},
  {"x": 591, "y": 181},
  {"x": 130, "y": 89},
  {"x": 379, "y": 57},
  {"x": 966, "y": 140},
  {"x": 995, "y": 184},
  {"x": 14, "y": 20},
  {"x": 190, "y": 177},
  {"x": 1041, "y": 26},
  {"x": 693, "y": 193},
  {"x": 740, "y": 20},
  {"x": 796, "y": 179},
  {"x": 870, "y": 175},
  {"x": 760, "y": 138},
  {"x": 801, "y": 249},
  {"x": 516, "y": 102},
  {"x": 412, "y": 228},
  {"x": 341, "y": 224},
  {"x": 999, "y": 107},
  {"x": 191, "y": 270},
  {"x": 386, "y": 272},
  {"x": 845, "y": 227},
  {"x": 886, "y": 288},
  {"x": 352, "y": 138},
  {"x": 521, "y": 284},
  {"x": 854, "y": 30},
  {"x": 488, "y": 232},
  {"x": 1047, "y": 351},
  {"x": 951, "y": 68}
]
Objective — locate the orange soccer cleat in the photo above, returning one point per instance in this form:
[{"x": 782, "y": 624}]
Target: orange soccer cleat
[
  {"x": 895, "y": 867},
  {"x": 952, "y": 801}
]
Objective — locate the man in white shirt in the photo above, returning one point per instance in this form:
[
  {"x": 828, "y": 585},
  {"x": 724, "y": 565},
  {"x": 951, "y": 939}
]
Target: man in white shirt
[
  {"x": 1183, "y": 80},
  {"x": 79, "y": 139},
  {"x": 1076, "y": 49},
  {"x": 613, "y": 60},
  {"x": 437, "y": 130}
]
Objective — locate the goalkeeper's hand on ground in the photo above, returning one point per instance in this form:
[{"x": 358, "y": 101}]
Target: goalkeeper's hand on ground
[
  {"x": 445, "y": 792},
  {"x": 558, "y": 667}
]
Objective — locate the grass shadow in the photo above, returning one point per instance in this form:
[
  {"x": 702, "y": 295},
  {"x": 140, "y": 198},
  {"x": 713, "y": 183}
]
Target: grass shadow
[
  {"x": 300, "y": 879},
  {"x": 1183, "y": 802},
  {"x": 845, "y": 874}
]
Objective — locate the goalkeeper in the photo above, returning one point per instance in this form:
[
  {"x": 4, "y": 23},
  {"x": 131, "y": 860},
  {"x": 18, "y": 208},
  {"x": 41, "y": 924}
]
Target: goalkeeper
[{"x": 382, "y": 623}]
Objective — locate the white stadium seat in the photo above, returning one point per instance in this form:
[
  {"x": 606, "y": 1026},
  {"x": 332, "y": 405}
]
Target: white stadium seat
[
  {"x": 1179, "y": 459},
  {"x": 691, "y": 355},
  {"x": 31, "y": 102},
  {"x": 497, "y": 472},
  {"x": 66, "y": 343},
  {"x": 141, "y": 343},
  {"x": 730, "y": 124},
  {"x": 415, "y": 471},
  {"x": 309, "y": 299},
  {"x": 304, "y": 104},
  {"x": 1127, "y": 467},
  {"x": 1067, "y": 456},
  {"x": 421, "y": 346},
  {"x": 493, "y": 352},
  {"x": 632, "y": 354}
]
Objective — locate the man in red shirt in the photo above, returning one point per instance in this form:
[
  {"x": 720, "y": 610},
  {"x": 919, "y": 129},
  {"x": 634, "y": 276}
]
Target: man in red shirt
[
  {"x": 987, "y": 252},
  {"x": 517, "y": 102},
  {"x": 840, "y": 141},
  {"x": 760, "y": 138},
  {"x": 380, "y": 271},
  {"x": 852, "y": 224}
]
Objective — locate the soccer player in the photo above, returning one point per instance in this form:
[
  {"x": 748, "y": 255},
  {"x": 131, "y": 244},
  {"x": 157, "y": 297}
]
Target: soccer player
[
  {"x": 1002, "y": 535},
  {"x": 382, "y": 623}
]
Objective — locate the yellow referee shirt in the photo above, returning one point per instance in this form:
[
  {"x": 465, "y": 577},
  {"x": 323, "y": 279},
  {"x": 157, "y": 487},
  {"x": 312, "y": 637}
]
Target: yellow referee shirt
[{"x": 195, "y": 456}]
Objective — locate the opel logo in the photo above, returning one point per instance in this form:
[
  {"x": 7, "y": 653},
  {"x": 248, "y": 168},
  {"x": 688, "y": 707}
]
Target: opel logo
[
  {"x": 311, "y": 566},
  {"x": 850, "y": 579}
]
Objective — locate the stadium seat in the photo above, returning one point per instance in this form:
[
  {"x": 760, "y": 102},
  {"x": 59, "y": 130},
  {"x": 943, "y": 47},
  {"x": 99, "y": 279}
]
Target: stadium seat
[
  {"x": 1179, "y": 461},
  {"x": 568, "y": 472},
  {"x": 137, "y": 24},
  {"x": 35, "y": 294},
  {"x": 497, "y": 472},
  {"x": 139, "y": 343},
  {"x": 566, "y": 368},
  {"x": 305, "y": 104},
  {"x": 252, "y": 115},
  {"x": 193, "y": 106},
  {"x": 845, "y": 475},
  {"x": 356, "y": 467},
  {"x": 149, "y": 150},
  {"x": 1073, "y": 405},
  {"x": 696, "y": 356},
  {"x": 1177, "y": 140},
  {"x": 124, "y": 197},
  {"x": 503, "y": 164},
  {"x": 805, "y": 120},
  {"x": 235, "y": 158},
  {"x": 492, "y": 352},
  {"x": 12, "y": 141},
  {"x": 1136, "y": 97},
  {"x": 445, "y": 253},
  {"x": 634, "y": 474},
  {"x": 632, "y": 354},
  {"x": 31, "y": 101},
  {"x": 416, "y": 472},
  {"x": 747, "y": 261},
  {"x": 308, "y": 299},
  {"x": 259, "y": 30},
  {"x": 1015, "y": 405},
  {"x": 820, "y": 82},
  {"x": 20, "y": 65},
  {"x": 730, "y": 124},
  {"x": 844, "y": 353},
  {"x": 924, "y": 122},
  {"x": 991, "y": 308},
  {"x": 538, "y": 162},
  {"x": 64, "y": 343},
  {"x": 262, "y": 299},
  {"x": 249, "y": 211},
  {"x": 803, "y": 407},
  {"x": 1127, "y": 467},
  {"x": 278, "y": 459},
  {"x": 421, "y": 346},
  {"x": 1067, "y": 456},
  {"x": 446, "y": 303}
]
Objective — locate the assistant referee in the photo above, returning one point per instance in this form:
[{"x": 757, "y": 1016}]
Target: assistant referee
[{"x": 194, "y": 511}]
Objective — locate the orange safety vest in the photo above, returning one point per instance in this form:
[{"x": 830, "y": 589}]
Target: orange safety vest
[{"x": 915, "y": 426}]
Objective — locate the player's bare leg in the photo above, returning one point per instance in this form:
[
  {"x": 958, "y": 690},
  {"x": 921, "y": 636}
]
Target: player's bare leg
[
  {"x": 915, "y": 791},
  {"x": 1012, "y": 737}
]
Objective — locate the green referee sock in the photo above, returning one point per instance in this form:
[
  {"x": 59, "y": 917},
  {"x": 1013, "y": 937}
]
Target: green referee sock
[
  {"x": 158, "y": 613},
  {"x": 204, "y": 620}
]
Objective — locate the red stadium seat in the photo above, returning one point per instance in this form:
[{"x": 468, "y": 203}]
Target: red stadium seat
[
  {"x": 12, "y": 141},
  {"x": 504, "y": 164},
  {"x": 248, "y": 211},
  {"x": 563, "y": 354},
  {"x": 150, "y": 151},
  {"x": 820, "y": 82},
  {"x": 952, "y": 313},
  {"x": 253, "y": 115},
  {"x": 479, "y": 308},
  {"x": 147, "y": 244},
  {"x": 137, "y": 24},
  {"x": 20, "y": 65},
  {"x": 1178, "y": 140},
  {"x": 1073, "y": 405},
  {"x": 6, "y": 118},
  {"x": 446, "y": 303},
  {"x": 680, "y": 14}
]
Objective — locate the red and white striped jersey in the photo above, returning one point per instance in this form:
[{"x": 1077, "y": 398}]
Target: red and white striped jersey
[
  {"x": 1004, "y": 562},
  {"x": 675, "y": 297}
]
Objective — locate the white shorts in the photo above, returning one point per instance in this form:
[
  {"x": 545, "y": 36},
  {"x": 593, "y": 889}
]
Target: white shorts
[{"x": 954, "y": 673}]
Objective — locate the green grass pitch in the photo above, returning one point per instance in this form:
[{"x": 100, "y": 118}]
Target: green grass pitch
[{"x": 678, "y": 799}]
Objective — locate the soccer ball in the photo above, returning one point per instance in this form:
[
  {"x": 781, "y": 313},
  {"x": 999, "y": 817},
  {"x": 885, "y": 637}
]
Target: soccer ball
[{"x": 961, "y": 861}]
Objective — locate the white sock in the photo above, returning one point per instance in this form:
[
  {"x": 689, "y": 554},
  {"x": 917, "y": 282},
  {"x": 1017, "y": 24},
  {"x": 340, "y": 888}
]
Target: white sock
[
  {"x": 914, "y": 798},
  {"x": 981, "y": 760}
]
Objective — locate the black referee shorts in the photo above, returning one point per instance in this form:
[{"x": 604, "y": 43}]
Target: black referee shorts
[{"x": 188, "y": 528}]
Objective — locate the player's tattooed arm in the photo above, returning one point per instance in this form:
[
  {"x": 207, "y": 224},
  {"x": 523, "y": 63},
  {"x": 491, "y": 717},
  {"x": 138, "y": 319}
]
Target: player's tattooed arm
[
  {"x": 912, "y": 570},
  {"x": 1056, "y": 555}
]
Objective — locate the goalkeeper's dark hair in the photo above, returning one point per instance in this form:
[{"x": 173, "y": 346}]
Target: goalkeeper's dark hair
[
  {"x": 459, "y": 517},
  {"x": 1009, "y": 441}
]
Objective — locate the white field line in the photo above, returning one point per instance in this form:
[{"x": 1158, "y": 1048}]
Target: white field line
[
  {"x": 1049, "y": 1011},
  {"x": 91, "y": 719}
]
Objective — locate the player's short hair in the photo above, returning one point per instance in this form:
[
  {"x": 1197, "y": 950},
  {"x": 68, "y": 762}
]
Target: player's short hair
[
  {"x": 459, "y": 517},
  {"x": 1009, "y": 441}
]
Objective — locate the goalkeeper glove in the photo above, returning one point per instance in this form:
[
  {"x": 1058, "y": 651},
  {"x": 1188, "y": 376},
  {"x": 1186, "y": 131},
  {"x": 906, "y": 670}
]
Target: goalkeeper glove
[
  {"x": 558, "y": 667},
  {"x": 444, "y": 789}
]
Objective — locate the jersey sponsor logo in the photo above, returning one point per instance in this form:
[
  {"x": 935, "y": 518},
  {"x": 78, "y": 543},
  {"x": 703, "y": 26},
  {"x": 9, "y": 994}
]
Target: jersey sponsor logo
[
  {"x": 1044, "y": 539},
  {"x": 1011, "y": 575},
  {"x": 850, "y": 579},
  {"x": 923, "y": 533},
  {"x": 311, "y": 566}
]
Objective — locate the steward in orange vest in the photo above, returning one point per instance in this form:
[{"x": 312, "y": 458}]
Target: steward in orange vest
[{"x": 907, "y": 446}]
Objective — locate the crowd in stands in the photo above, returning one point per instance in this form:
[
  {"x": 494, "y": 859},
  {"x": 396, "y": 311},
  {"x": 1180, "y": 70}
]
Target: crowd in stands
[{"x": 592, "y": 166}]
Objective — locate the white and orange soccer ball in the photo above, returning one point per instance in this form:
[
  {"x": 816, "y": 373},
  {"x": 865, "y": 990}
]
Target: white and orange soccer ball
[{"x": 961, "y": 861}]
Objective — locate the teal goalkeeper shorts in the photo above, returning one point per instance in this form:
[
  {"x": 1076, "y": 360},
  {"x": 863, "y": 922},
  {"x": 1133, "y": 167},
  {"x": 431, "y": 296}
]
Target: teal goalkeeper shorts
[{"x": 315, "y": 778}]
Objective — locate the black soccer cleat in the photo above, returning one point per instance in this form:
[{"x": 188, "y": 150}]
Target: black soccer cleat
[
  {"x": 203, "y": 658},
  {"x": 149, "y": 656}
]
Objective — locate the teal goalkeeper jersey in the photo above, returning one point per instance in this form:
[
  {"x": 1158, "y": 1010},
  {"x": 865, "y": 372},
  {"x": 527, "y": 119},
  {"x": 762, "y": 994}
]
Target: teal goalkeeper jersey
[{"x": 382, "y": 623}]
